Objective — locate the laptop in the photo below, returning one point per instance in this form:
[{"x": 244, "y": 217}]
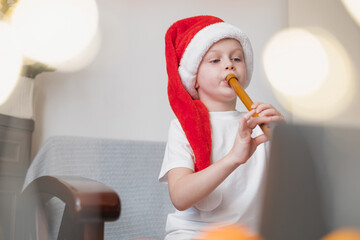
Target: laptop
[{"x": 312, "y": 185}]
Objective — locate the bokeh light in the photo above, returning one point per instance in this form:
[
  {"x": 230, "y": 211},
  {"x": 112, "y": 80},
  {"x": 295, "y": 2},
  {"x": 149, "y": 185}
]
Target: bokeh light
[
  {"x": 295, "y": 62},
  {"x": 335, "y": 93},
  {"x": 343, "y": 234},
  {"x": 230, "y": 232},
  {"x": 55, "y": 31},
  {"x": 10, "y": 61},
  {"x": 83, "y": 58},
  {"x": 353, "y": 7}
]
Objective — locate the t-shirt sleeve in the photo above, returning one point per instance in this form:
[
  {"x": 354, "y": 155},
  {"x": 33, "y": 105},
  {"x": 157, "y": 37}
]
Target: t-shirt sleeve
[{"x": 178, "y": 152}]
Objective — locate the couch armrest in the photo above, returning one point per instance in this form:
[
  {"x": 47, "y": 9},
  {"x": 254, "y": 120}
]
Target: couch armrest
[
  {"x": 86, "y": 199},
  {"x": 88, "y": 204}
]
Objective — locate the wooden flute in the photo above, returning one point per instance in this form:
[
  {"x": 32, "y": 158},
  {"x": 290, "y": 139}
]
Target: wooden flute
[{"x": 233, "y": 82}]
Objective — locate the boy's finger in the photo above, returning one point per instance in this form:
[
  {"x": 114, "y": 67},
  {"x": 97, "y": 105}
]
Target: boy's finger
[
  {"x": 249, "y": 114},
  {"x": 255, "y": 105},
  {"x": 245, "y": 119},
  {"x": 254, "y": 122},
  {"x": 244, "y": 130},
  {"x": 260, "y": 139},
  {"x": 269, "y": 112},
  {"x": 263, "y": 106},
  {"x": 264, "y": 120}
]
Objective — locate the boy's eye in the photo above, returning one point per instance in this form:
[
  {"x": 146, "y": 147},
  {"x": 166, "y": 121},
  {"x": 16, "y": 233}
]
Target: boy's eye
[
  {"x": 215, "y": 60},
  {"x": 237, "y": 59}
]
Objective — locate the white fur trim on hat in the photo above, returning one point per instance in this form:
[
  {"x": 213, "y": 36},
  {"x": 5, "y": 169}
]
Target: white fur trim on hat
[{"x": 201, "y": 43}]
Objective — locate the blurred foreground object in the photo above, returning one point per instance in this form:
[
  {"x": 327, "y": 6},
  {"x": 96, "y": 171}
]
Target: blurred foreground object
[
  {"x": 312, "y": 182},
  {"x": 231, "y": 232},
  {"x": 343, "y": 234}
]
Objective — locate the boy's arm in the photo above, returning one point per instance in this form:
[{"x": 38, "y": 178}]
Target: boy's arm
[{"x": 187, "y": 187}]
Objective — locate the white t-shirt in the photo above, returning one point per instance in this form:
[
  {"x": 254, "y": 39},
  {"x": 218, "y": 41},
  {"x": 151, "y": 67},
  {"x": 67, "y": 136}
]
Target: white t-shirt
[{"x": 236, "y": 200}]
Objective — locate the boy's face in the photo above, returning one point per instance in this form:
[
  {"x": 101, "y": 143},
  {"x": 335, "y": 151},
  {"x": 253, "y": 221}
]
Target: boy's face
[{"x": 224, "y": 57}]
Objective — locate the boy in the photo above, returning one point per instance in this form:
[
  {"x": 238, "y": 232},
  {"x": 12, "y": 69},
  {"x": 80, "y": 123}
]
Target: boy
[{"x": 215, "y": 157}]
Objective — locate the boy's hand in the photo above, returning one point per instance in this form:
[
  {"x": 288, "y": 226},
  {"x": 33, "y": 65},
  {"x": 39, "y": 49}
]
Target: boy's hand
[{"x": 245, "y": 145}]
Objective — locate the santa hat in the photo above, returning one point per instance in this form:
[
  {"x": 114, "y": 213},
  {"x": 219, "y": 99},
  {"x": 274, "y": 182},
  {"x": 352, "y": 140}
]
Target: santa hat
[{"x": 186, "y": 43}]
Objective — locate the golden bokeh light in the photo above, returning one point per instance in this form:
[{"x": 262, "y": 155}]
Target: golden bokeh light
[
  {"x": 295, "y": 62},
  {"x": 10, "y": 61},
  {"x": 343, "y": 234},
  {"x": 335, "y": 93},
  {"x": 55, "y": 31},
  {"x": 230, "y": 232},
  {"x": 353, "y": 7}
]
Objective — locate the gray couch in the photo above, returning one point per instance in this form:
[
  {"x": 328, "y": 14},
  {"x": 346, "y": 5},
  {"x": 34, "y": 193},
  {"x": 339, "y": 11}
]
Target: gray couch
[
  {"x": 130, "y": 168},
  {"x": 312, "y": 179}
]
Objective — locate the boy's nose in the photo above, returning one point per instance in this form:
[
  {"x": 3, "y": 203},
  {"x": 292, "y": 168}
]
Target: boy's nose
[{"x": 229, "y": 64}]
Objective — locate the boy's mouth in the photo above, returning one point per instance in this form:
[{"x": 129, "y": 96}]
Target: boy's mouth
[{"x": 225, "y": 82}]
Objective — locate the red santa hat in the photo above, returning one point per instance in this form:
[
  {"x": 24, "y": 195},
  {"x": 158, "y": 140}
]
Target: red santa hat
[{"x": 186, "y": 43}]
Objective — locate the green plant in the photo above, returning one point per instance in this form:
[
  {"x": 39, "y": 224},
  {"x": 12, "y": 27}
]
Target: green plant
[{"x": 32, "y": 70}]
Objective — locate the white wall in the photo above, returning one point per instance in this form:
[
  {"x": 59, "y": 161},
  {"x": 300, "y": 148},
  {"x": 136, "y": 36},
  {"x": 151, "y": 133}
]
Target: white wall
[{"x": 122, "y": 93}]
